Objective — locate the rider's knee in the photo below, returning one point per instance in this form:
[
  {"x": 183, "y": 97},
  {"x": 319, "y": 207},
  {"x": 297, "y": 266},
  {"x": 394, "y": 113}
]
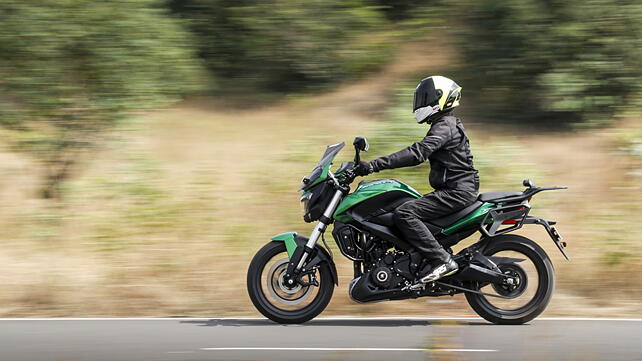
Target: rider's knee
[{"x": 401, "y": 214}]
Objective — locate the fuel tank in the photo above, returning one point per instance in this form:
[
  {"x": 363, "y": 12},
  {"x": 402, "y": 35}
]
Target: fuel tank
[{"x": 373, "y": 199}]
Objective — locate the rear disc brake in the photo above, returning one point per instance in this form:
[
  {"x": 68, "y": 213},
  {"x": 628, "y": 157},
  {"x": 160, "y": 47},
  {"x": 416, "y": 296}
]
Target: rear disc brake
[{"x": 516, "y": 282}]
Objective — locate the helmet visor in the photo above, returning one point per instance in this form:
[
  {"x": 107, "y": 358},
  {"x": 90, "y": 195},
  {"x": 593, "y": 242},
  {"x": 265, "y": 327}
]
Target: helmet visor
[{"x": 425, "y": 94}]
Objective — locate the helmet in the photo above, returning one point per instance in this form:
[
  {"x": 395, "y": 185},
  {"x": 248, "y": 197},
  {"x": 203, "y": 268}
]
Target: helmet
[{"x": 435, "y": 95}]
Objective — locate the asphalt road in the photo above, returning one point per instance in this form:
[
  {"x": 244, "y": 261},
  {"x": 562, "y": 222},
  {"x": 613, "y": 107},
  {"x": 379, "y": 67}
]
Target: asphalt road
[{"x": 324, "y": 339}]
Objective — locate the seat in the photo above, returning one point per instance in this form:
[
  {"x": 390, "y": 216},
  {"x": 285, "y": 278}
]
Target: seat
[
  {"x": 493, "y": 196},
  {"x": 454, "y": 217},
  {"x": 387, "y": 219}
]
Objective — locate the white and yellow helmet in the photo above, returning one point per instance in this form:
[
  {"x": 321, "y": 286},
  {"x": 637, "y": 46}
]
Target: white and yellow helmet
[{"x": 434, "y": 95}]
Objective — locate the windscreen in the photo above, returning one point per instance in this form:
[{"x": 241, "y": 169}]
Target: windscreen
[
  {"x": 320, "y": 170},
  {"x": 330, "y": 152}
]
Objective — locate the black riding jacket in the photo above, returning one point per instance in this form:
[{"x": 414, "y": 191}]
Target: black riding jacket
[{"x": 447, "y": 148}]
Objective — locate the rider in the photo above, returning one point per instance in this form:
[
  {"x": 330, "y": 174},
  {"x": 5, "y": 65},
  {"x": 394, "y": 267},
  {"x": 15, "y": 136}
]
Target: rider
[{"x": 452, "y": 173}]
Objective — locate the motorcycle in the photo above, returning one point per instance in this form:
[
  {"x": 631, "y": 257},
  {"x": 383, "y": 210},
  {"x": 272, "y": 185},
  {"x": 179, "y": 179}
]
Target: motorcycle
[{"x": 506, "y": 278}]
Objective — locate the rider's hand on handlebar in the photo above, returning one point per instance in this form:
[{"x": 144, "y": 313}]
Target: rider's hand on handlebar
[{"x": 363, "y": 169}]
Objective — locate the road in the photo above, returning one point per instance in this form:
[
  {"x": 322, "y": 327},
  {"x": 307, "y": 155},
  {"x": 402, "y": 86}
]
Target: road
[{"x": 368, "y": 339}]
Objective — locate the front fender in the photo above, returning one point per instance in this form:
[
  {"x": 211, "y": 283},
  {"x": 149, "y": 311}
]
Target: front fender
[
  {"x": 294, "y": 241},
  {"x": 289, "y": 238}
]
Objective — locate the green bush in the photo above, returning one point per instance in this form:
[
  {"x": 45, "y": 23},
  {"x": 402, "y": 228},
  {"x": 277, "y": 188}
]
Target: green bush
[
  {"x": 536, "y": 60},
  {"x": 70, "y": 69},
  {"x": 283, "y": 44}
]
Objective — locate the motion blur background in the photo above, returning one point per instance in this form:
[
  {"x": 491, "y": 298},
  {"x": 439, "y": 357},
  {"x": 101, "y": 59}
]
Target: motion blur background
[{"x": 149, "y": 148}]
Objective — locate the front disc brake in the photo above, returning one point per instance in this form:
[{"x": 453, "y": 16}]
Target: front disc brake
[{"x": 280, "y": 291}]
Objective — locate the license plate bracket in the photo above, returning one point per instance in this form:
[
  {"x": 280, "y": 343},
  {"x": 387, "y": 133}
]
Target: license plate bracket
[{"x": 559, "y": 241}]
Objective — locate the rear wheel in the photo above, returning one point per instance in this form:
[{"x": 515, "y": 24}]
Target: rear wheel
[
  {"x": 533, "y": 282},
  {"x": 278, "y": 301}
]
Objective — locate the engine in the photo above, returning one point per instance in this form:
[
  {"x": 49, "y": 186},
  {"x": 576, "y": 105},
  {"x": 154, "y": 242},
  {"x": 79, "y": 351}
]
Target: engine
[
  {"x": 384, "y": 277},
  {"x": 385, "y": 271}
]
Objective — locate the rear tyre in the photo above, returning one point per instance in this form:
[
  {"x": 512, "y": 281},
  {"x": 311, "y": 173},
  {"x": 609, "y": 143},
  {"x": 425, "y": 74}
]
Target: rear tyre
[
  {"x": 276, "y": 301},
  {"x": 542, "y": 285}
]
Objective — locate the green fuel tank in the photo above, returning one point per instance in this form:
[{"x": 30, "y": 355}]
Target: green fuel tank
[{"x": 370, "y": 196}]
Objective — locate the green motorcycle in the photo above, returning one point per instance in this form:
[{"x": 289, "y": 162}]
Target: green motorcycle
[{"x": 506, "y": 278}]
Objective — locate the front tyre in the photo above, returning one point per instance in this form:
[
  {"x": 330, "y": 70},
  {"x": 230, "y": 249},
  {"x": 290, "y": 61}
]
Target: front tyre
[
  {"x": 274, "y": 299},
  {"x": 529, "y": 295}
]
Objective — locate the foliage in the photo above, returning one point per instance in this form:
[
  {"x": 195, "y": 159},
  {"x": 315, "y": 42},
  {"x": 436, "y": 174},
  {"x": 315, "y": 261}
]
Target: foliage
[
  {"x": 535, "y": 60},
  {"x": 70, "y": 69},
  {"x": 400, "y": 10},
  {"x": 283, "y": 44}
]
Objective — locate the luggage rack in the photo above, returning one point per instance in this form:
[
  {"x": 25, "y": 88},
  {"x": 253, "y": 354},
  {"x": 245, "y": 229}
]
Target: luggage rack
[{"x": 513, "y": 214}]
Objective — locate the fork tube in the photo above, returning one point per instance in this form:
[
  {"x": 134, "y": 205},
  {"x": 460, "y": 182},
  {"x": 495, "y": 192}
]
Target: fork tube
[{"x": 320, "y": 227}]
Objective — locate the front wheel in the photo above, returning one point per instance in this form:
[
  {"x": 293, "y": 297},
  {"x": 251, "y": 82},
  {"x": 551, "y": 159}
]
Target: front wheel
[
  {"x": 274, "y": 299},
  {"x": 531, "y": 289}
]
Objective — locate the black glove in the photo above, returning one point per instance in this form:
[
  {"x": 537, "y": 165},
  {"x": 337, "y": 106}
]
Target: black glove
[{"x": 363, "y": 168}]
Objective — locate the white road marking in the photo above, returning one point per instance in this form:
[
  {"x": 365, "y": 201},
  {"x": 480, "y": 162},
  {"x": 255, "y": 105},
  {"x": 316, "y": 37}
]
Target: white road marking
[
  {"x": 344, "y": 349},
  {"x": 586, "y": 319},
  {"x": 437, "y": 301},
  {"x": 346, "y": 318}
]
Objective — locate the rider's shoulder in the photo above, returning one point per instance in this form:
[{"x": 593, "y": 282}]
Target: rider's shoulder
[{"x": 443, "y": 124}]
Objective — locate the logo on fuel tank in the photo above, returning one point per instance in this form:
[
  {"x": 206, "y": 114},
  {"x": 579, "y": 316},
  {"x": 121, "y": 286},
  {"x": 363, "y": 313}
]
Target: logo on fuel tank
[{"x": 383, "y": 181}]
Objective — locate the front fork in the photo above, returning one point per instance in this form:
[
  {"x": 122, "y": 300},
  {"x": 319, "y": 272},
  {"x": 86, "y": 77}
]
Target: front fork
[
  {"x": 308, "y": 248},
  {"x": 320, "y": 228}
]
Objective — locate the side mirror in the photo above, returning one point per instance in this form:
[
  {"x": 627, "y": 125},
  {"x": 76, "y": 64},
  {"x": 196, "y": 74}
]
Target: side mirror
[
  {"x": 528, "y": 183},
  {"x": 361, "y": 144}
]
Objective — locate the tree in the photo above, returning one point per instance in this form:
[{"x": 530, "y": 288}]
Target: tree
[
  {"x": 283, "y": 45},
  {"x": 70, "y": 69},
  {"x": 559, "y": 60}
]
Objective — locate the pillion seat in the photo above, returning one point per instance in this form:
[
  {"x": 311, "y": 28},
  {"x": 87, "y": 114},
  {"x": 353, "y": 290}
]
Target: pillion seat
[{"x": 494, "y": 196}]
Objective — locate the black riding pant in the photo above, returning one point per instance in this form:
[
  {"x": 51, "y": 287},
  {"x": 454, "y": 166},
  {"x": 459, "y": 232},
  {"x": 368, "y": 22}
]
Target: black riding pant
[{"x": 410, "y": 217}]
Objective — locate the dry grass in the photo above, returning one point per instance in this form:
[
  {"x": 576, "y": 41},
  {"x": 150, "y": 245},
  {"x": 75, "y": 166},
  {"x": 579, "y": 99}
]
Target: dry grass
[{"x": 164, "y": 220}]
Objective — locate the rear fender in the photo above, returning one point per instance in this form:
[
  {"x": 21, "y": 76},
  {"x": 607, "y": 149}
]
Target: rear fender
[{"x": 295, "y": 243}]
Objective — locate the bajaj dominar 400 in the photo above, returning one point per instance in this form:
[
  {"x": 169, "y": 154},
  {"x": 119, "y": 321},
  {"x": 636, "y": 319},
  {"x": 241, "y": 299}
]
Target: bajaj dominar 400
[{"x": 506, "y": 278}]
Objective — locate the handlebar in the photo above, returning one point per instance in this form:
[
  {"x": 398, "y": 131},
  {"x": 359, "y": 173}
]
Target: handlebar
[
  {"x": 349, "y": 175},
  {"x": 346, "y": 177}
]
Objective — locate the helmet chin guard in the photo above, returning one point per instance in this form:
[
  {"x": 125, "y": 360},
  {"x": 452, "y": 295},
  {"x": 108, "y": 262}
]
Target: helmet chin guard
[{"x": 422, "y": 114}]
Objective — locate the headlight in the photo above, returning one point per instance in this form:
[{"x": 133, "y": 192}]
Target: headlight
[{"x": 305, "y": 199}]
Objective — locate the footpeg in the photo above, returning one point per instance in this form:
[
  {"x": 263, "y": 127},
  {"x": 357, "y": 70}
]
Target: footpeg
[{"x": 417, "y": 287}]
